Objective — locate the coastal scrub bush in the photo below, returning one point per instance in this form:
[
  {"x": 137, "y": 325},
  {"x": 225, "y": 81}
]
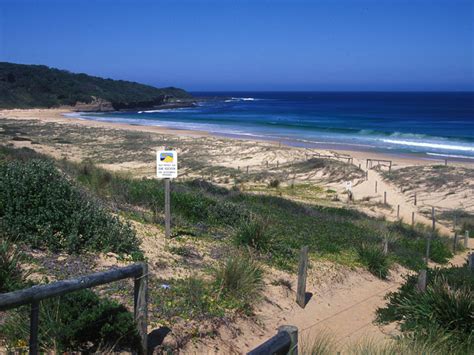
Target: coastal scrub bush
[
  {"x": 240, "y": 279},
  {"x": 79, "y": 321},
  {"x": 253, "y": 233},
  {"x": 41, "y": 207},
  {"x": 376, "y": 261},
  {"x": 447, "y": 304}
]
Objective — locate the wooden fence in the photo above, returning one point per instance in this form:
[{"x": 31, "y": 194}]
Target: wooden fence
[
  {"x": 285, "y": 342},
  {"x": 35, "y": 294}
]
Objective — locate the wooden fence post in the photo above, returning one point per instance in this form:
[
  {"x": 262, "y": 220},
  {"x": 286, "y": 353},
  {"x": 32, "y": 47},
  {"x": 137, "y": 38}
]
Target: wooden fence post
[
  {"x": 455, "y": 241},
  {"x": 398, "y": 211},
  {"x": 366, "y": 175},
  {"x": 34, "y": 326},
  {"x": 431, "y": 235},
  {"x": 302, "y": 271},
  {"x": 421, "y": 286},
  {"x": 414, "y": 199},
  {"x": 385, "y": 197},
  {"x": 292, "y": 331},
  {"x": 167, "y": 209},
  {"x": 375, "y": 186},
  {"x": 413, "y": 219},
  {"x": 466, "y": 239},
  {"x": 140, "y": 307}
]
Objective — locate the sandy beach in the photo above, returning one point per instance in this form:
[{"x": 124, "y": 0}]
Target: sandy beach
[
  {"x": 347, "y": 303},
  {"x": 249, "y": 156}
]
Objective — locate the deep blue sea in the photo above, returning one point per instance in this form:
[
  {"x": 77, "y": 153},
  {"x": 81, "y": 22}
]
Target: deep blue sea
[{"x": 435, "y": 125}]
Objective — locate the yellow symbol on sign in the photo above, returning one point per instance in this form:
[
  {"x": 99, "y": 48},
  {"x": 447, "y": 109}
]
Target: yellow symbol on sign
[{"x": 166, "y": 157}]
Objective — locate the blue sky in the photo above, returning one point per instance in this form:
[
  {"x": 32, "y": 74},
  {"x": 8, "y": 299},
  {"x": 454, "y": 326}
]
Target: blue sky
[{"x": 249, "y": 45}]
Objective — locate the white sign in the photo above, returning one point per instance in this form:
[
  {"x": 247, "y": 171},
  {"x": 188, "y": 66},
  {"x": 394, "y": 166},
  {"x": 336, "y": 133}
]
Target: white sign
[
  {"x": 166, "y": 164},
  {"x": 349, "y": 186}
]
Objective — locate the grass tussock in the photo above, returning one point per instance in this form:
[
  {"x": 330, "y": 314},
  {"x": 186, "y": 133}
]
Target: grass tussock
[
  {"x": 376, "y": 261},
  {"x": 253, "y": 233},
  {"x": 12, "y": 275},
  {"x": 240, "y": 278},
  {"x": 446, "y": 306}
]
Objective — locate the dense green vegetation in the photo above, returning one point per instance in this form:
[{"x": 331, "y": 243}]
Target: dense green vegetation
[
  {"x": 276, "y": 227},
  {"x": 27, "y": 86},
  {"x": 79, "y": 321},
  {"x": 41, "y": 207},
  {"x": 444, "y": 313}
]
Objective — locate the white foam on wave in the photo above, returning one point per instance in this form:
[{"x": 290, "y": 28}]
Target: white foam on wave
[
  {"x": 450, "y": 155},
  {"x": 236, "y": 99},
  {"x": 462, "y": 148}
]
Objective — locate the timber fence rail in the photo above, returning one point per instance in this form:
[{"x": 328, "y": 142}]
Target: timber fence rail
[
  {"x": 285, "y": 342},
  {"x": 35, "y": 294}
]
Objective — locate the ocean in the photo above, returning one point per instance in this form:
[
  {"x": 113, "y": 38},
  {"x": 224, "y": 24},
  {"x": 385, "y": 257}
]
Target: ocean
[{"x": 431, "y": 125}]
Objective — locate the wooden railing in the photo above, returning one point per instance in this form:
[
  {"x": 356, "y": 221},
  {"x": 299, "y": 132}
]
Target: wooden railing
[
  {"x": 285, "y": 342},
  {"x": 35, "y": 294}
]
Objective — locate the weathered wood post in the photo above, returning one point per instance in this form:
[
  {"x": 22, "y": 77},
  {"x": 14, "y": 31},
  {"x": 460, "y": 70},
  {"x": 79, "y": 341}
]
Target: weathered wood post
[
  {"x": 366, "y": 175},
  {"x": 385, "y": 246},
  {"x": 421, "y": 285},
  {"x": 413, "y": 219},
  {"x": 302, "y": 271},
  {"x": 385, "y": 197},
  {"x": 140, "y": 305},
  {"x": 431, "y": 235},
  {"x": 292, "y": 331},
  {"x": 466, "y": 239},
  {"x": 375, "y": 186},
  {"x": 359, "y": 166},
  {"x": 455, "y": 241},
  {"x": 34, "y": 326},
  {"x": 414, "y": 199},
  {"x": 247, "y": 169},
  {"x": 167, "y": 209},
  {"x": 398, "y": 211}
]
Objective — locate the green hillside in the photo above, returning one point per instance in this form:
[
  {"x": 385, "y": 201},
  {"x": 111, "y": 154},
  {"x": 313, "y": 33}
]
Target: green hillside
[{"x": 28, "y": 86}]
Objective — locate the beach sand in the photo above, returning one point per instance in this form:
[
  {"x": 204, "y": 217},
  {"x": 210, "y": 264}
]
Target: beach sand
[{"x": 347, "y": 303}]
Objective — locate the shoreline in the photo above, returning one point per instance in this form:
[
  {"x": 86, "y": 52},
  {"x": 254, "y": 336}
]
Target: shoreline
[{"x": 68, "y": 116}]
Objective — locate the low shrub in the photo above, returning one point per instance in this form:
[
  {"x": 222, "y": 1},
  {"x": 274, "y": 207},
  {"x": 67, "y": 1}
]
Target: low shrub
[
  {"x": 376, "y": 261},
  {"x": 41, "y": 207},
  {"x": 253, "y": 233},
  {"x": 79, "y": 321},
  {"x": 274, "y": 183},
  {"x": 240, "y": 279}
]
